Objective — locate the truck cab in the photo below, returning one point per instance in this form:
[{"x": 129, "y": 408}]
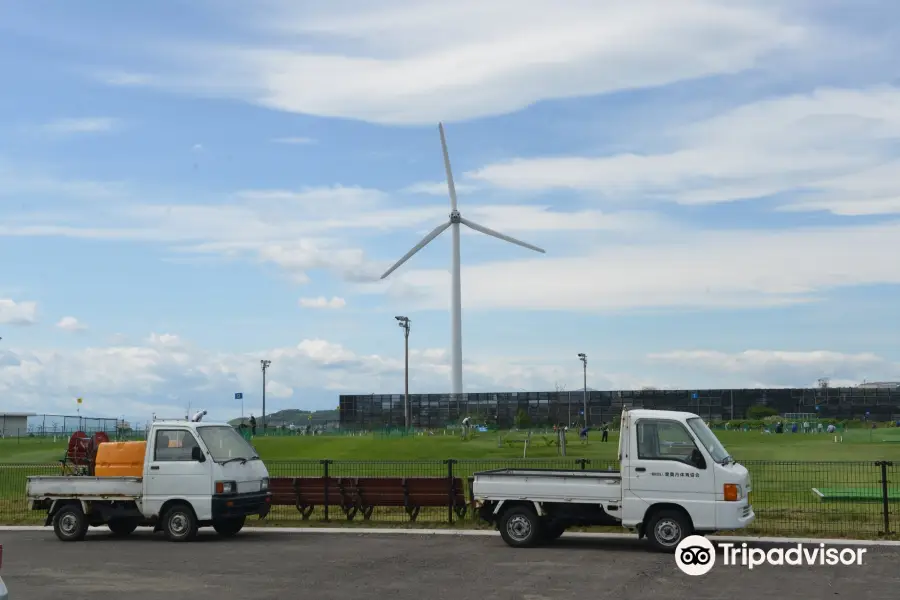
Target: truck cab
[
  {"x": 675, "y": 480},
  {"x": 186, "y": 475}
]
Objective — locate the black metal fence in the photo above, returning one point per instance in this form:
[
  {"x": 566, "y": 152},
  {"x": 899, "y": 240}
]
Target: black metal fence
[
  {"x": 825, "y": 499},
  {"x": 373, "y": 411}
]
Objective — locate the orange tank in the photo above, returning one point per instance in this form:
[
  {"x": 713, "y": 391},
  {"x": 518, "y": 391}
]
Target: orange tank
[{"x": 120, "y": 459}]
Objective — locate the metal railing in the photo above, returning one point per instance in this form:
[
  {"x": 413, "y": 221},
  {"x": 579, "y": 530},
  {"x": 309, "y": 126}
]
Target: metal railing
[{"x": 827, "y": 499}]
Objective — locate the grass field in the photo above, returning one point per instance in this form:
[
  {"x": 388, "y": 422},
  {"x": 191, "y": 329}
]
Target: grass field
[
  {"x": 858, "y": 445},
  {"x": 784, "y": 467}
]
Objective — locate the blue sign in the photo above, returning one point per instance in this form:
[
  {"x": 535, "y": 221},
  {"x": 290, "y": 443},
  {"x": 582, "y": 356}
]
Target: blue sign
[
  {"x": 239, "y": 396},
  {"x": 817, "y": 408},
  {"x": 694, "y": 396},
  {"x": 580, "y": 412}
]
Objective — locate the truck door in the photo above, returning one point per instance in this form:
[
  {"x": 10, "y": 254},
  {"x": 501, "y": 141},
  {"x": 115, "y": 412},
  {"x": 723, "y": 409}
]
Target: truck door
[
  {"x": 665, "y": 465},
  {"x": 173, "y": 473}
]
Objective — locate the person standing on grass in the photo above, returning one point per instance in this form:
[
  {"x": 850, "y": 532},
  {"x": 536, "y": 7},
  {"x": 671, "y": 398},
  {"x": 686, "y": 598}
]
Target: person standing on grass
[
  {"x": 605, "y": 431},
  {"x": 252, "y": 424}
]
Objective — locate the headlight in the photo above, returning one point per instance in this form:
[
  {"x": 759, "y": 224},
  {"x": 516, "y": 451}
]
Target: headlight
[
  {"x": 226, "y": 487},
  {"x": 264, "y": 483}
]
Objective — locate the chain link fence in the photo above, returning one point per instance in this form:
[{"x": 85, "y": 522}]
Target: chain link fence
[{"x": 827, "y": 499}]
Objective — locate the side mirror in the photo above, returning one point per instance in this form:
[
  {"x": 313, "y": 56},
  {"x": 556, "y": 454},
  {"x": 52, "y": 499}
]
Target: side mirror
[
  {"x": 197, "y": 454},
  {"x": 697, "y": 459}
]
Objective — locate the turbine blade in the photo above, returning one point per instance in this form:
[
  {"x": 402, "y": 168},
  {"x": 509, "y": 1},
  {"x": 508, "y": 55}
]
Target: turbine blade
[
  {"x": 450, "y": 184},
  {"x": 498, "y": 235},
  {"x": 425, "y": 241}
]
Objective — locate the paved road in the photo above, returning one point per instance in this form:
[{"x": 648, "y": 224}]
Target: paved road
[{"x": 259, "y": 565}]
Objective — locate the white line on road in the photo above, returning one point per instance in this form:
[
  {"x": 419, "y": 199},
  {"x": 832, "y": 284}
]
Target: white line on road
[{"x": 491, "y": 533}]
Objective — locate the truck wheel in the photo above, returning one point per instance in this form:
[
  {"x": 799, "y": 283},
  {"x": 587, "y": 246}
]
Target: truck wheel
[
  {"x": 520, "y": 527},
  {"x": 229, "y": 527},
  {"x": 666, "y": 529},
  {"x": 180, "y": 523},
  {"x": 70, "y": 523},
  {"x": 122, "y": 527}
]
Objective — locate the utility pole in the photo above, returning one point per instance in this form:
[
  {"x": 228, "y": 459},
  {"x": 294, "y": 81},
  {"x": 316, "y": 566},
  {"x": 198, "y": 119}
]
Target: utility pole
[
  {"x": 404, "y": 324},
  {"x": 265, "y": 365},
  {"x": 583, "y": 358}
]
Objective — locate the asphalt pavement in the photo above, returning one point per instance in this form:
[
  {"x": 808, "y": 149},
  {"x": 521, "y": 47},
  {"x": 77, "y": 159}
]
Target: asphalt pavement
[{"x": 349, "y": 566}]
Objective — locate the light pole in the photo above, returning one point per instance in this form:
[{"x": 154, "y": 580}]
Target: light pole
[
  {"x": 583, "y": 358},
  {"x": 265, "y": 365},
  {"x": 404, "y": 324}
]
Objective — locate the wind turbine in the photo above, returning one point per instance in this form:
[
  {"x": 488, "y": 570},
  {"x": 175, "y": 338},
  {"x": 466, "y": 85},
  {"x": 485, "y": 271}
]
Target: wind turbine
[{"x": 455, "y": 287}]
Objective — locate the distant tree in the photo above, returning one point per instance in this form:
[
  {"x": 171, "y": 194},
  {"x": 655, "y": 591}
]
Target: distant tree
[
  {"x": 523, "y": 420},
  {"x": 758, "y": 413}
]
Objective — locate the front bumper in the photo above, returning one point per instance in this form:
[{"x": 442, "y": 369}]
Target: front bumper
[{"x": 241, "y": 505}]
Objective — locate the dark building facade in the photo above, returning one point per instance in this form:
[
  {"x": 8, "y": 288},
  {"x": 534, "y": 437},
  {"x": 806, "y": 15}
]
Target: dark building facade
[{"x": 374, "y": 411}]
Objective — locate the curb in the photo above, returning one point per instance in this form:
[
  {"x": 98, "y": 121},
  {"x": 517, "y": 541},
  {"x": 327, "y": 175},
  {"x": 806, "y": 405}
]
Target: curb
[{"x": 486, "y": 533}]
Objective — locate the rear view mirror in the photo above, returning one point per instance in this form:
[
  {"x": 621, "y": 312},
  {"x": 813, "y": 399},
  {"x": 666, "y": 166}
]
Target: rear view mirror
[{"x": 197, "y": 454}]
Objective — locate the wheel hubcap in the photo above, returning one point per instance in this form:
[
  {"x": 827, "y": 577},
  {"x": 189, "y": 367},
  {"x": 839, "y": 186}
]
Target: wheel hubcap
[
  {"x": 178, "y": 524},
  {"x": 68, "y": 524},
  {"x": 668, "y": 532},
  {"x": 518, "y": 528}
]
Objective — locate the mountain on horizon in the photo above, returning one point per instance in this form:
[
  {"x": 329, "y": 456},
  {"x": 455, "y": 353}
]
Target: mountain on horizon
[{"x": 296, "y": 416}]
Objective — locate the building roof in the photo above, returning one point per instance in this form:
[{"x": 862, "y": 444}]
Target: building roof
[{"x": 17, "y": 414}]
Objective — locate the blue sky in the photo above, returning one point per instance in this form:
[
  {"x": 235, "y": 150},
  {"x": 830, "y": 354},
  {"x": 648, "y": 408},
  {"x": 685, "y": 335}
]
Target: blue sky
[{"x": 189, "y": 187}]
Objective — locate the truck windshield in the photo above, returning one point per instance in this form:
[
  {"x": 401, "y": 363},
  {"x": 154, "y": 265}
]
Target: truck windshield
[
  {"x": 708, "y": 439},
  {"x": 225, "y": 443}
]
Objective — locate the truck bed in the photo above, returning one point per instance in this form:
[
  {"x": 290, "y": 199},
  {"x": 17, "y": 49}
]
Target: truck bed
[
  {"x": 549, "y": 485},
  {"x": 82, "y": 487}
]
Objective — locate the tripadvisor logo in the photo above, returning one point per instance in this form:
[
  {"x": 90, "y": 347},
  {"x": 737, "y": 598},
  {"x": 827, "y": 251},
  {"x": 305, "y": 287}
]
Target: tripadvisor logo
[{"x": 696, "y": 555}]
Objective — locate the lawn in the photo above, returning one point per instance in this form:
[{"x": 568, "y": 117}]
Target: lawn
[
  {"x": 858, "y": 445},
  {"x": 784, "y": 467}
]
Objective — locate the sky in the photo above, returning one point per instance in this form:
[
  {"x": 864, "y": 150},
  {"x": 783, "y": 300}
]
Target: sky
[{"x": 187, "y": 188}]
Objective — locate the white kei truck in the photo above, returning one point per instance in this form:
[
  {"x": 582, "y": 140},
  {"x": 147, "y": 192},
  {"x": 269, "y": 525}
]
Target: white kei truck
[
  {"x": 675, "y": 480},
  {"x": 186, "y": 475}
]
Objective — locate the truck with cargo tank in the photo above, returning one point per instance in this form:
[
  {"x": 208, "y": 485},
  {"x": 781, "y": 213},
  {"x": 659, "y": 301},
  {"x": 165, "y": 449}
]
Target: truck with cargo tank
[{"x": 187, "y": 475}]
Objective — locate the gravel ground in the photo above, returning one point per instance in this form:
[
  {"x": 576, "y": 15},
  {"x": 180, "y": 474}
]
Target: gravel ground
[{"x": 349, "y": 566}]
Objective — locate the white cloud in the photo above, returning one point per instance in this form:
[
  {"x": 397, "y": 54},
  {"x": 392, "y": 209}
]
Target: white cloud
[
  {"x": 782, "y": 368},
  {"x": 438, "y": 188},
  {"x": 707, "y": 269},
  {"x": 834, "y": 145},
  {"x": 306, "y": 229},
  {"x": 405, "y": 61},
  {"x": 17, "y": 313},
  {"x": 76, "y": 126},
  {"x": 275, "y": 389},
  {"x": 165, "y": 373},
  {"x": 323, "y": 302},
  {"x": 299, "y": 141},
  {"x": 70, "y": 324}
]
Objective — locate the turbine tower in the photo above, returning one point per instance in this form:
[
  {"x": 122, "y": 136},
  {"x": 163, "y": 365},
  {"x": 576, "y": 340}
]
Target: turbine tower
[{"x": 455, "y": 287}]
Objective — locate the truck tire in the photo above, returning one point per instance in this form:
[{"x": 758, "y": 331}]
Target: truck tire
[
  {"x": 122, "y": 527},
  {"x": 70, "y": 524},
  {"x": 667, "y": 528},
  {"x": 229, "y": 527},
  {"x": 520, "y": 527},
  {"x": 180, "y": 524}
]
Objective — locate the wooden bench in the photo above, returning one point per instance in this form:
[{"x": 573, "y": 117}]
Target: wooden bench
[
  {"x": 364, "y": 494},
  {"x": 306, "y": 493}
]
